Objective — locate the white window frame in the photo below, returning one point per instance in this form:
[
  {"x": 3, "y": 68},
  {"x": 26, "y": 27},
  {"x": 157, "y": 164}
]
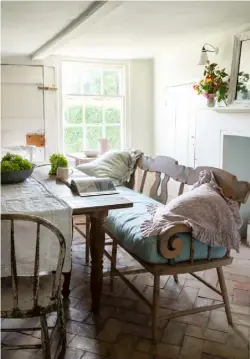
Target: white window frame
[{"x": 123, "y": 83}]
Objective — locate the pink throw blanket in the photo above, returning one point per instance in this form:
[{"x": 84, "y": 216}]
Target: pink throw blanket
[{"x": 213, "y": 218}]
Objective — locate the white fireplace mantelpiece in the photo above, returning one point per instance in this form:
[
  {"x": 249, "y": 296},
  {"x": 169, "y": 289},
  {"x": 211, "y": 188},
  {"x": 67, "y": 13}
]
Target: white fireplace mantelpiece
[
  {"x": 209, "y": 129},
  {"x": 232, "y": 109},
  {"x": 233, "y": 134}
]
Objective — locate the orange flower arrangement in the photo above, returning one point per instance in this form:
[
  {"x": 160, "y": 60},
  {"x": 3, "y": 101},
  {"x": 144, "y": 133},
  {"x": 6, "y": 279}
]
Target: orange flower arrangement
[{"x": 214, "y": 83}]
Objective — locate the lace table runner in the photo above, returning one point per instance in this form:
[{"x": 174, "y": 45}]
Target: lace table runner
[{"x": 31, "y": 197}]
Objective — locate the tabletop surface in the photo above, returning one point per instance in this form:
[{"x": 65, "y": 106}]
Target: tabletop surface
[{"x": 80, "y": 205}]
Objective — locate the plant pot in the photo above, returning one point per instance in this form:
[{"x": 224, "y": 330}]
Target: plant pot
[
  {"x": 16, "y": 176},
  {"x": 210, "y": 100}
]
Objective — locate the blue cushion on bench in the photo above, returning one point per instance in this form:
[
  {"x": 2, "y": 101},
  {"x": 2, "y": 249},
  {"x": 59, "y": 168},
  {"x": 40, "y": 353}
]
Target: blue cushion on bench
[{"x": 125, "y": 225}]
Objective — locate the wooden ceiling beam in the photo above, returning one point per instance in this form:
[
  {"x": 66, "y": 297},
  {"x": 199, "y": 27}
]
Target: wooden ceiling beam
[{"x": 90, "y": 16}]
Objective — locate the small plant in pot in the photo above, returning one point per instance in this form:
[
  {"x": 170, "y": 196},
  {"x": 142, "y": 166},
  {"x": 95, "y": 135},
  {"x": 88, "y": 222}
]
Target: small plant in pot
[
  {"x": 57, "y": 160},
  {"x": 214, "y": 85}
]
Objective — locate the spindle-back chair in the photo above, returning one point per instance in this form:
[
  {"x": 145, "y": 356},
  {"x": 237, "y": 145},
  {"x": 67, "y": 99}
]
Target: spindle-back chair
[{"x": 35, "y": 295}]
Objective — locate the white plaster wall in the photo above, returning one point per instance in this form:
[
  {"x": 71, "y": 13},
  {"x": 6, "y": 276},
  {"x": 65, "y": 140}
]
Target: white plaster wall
[
  {"x": 190, "y": 131},
  {"x": 140, "y": 105},
  {"x": 177, "y": 65}
]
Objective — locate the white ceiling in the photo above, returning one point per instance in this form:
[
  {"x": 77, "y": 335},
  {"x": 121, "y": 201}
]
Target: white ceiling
[
  {"x": 135, "y": 28},
  {"x": 26, "y": 25}
]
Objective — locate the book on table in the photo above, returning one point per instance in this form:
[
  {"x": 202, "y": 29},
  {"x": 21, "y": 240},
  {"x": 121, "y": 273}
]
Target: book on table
[{"x": 90, "y": 186}]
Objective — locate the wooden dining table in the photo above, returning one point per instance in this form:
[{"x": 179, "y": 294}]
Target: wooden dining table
[{"x": 97, "y": 208}]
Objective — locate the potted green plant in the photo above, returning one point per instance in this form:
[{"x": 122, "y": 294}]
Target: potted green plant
[
  {"x": 214, "y": 85},
  {"x": 15, "y": 169},
  {"x": 57, "y": 160}
]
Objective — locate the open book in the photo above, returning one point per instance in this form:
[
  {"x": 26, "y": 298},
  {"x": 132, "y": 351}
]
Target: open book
[{"x": 91, "y": 186}]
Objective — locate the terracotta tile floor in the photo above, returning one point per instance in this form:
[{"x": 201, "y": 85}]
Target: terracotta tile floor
[{"x": 122, "y": 330}]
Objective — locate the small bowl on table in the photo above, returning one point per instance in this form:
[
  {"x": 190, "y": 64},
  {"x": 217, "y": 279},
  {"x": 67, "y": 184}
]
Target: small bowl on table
[{"x": 91, "y": 153}]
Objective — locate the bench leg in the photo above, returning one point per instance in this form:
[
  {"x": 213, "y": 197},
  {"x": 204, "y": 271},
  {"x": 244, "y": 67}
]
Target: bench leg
[
  {"x": 87, "y": 246},
  {"x": 155, "y": 309},
  {"x": 113, "y": 265},
  {"x": 223, "y": 288},
  {"x": 176, "y": 278}
]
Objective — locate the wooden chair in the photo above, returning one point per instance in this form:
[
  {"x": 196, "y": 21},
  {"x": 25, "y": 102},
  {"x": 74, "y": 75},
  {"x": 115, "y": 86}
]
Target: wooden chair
[
  {"x": 37, "y": 295},
  {"x": 170, "y": 244}
]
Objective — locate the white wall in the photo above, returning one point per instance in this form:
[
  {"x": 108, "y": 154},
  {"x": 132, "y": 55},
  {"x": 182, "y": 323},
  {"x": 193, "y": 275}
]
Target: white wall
[
  {"x": 184, "y": 128},
  {"x": 139, "y": 104},
  {"x": 177, "y": 65}
]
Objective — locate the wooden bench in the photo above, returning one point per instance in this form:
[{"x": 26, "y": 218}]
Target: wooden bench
[{"x": 170, "y": 245}]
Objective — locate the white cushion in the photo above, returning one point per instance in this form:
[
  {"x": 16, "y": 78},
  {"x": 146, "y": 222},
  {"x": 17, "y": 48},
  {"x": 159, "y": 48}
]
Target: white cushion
[{"x": 116, "y": 165}]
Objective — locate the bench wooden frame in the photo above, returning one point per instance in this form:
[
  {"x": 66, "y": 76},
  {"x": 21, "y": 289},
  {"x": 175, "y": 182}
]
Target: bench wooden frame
[{"x": 170, "y": 246}]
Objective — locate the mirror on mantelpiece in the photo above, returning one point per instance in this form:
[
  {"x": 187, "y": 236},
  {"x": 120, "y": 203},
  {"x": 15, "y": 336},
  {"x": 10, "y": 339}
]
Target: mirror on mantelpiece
[
  {"x": 239, "y": 89},
  {"x": 243, "y": 81}
]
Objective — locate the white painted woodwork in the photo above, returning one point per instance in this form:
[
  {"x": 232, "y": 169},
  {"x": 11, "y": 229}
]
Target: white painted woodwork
[
  {"x": 181, "y": 123},
  {"x": 25, "y": 108},
  {"x": 210, "y": 128},
  {"x": 51, "y": 111}
]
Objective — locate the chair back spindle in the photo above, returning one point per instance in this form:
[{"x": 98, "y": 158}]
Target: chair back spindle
[
  {"x": 36, "y": 266},
  {"x": 40, "y": 222}
]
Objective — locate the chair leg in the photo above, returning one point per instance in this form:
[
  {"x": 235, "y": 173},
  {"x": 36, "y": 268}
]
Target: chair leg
[
  {"x": 45, "y": 337},
  {"x": 87, "y": 239},
  {"x": 113, "y": 265},
  {"x": 61, "y": 321},
  {"x": 155, "y": 309},
  {"x": 225, "y": 295},
  {"x": 176, "y": 278}
]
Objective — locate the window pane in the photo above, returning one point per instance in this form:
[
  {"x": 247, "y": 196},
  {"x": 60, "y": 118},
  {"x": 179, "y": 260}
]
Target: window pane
[
  {"x": 93, "y": 135},
  {"x": 73, "y": 139},
  {"x": 110, "y": 83},
  {"x": 71, "y": 81},
  {"x": 73, "y": 115},
  {"x": 114, "y": 136},
  {"x": 112, "y": 115},
  {"x": 92, "y": 82},
  {"x": 93, "y": 113}
]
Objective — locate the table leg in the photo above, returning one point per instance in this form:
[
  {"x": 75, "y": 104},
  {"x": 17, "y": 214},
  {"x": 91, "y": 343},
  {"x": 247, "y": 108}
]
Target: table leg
[
  {"x": 67, "y": 275},
  {"x": 97, "y": 241},
  {"x": 66, "y": 284}
]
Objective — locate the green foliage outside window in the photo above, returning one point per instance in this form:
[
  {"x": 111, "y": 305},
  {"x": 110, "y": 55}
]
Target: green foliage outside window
[
  {"x": 92, "y": 82},
  {"x": 113, "y": 135},
  {"x": 73, "y": 115},
  {"x": 112, "y": 115},
  {"x": 73, "y": 139},
  {"x": 93, "y": 135},
  {"x": 110, "y": 83},
  {"x": 93, "y": 114}
]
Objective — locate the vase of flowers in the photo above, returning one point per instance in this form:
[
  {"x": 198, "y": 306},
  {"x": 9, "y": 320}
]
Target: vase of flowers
[
  {"x": 210, "y": 99},
  {"x": 214, "y": 85}
]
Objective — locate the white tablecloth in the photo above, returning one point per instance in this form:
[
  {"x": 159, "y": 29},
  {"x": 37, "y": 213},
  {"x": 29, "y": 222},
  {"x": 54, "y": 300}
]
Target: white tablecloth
[{"x": 31, "y": 197}]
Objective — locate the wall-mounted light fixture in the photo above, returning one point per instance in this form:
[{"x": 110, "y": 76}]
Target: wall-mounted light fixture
[{"x": 204, "y": 51}]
